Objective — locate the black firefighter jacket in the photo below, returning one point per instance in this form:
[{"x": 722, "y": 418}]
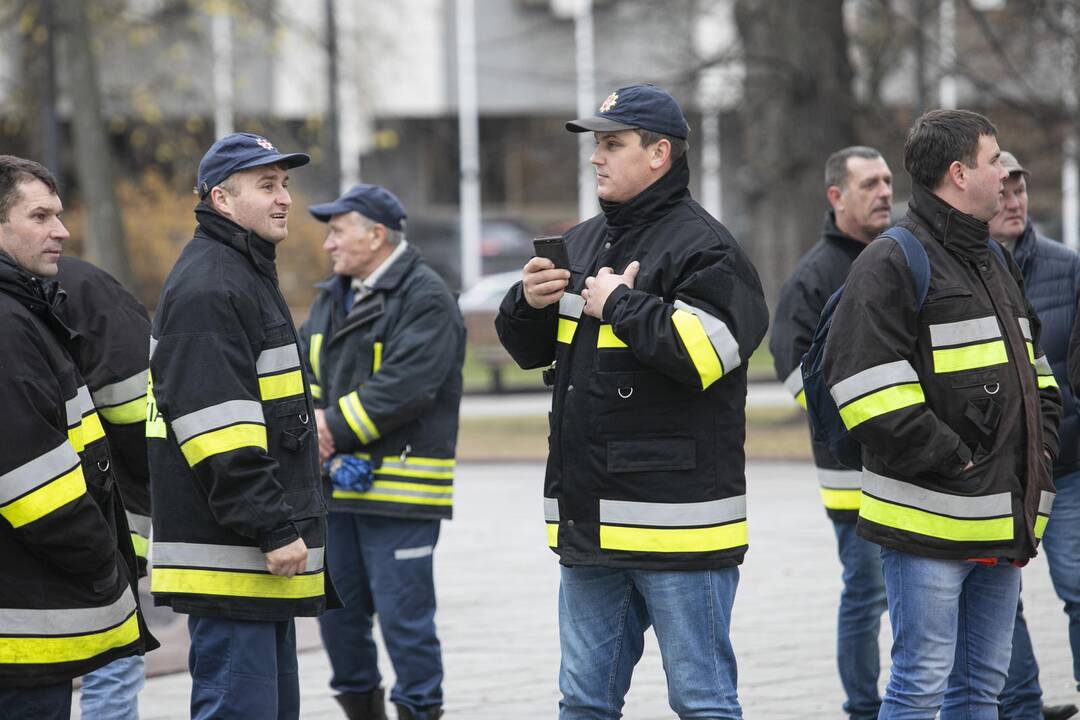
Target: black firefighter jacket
[
  {"x": 816, "y": 277},
  {"x": 112, "y": 353},
  {"x": 234, "y": 465},
  {"x": 68, "y": 603},
  {"x": 646, "y": 463},
  {"x": 963, "y": 380},
  {"x": 389, "y": 376}
]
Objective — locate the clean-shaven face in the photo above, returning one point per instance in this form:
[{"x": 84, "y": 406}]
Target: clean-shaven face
[
  {"x": 33, "y": 233},
  {"x": 261, "y": 203},
  {"x": 349, "y": 238},
  {"x": 622, "y": 165},
  {"x": 986, "y": 180},
  {"x": 1009, "y": 223}
]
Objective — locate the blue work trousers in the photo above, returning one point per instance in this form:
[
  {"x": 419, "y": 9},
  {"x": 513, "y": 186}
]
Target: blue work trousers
[
  {"x": 112, "y": 692},
  {"x": 43, "y": 702}
]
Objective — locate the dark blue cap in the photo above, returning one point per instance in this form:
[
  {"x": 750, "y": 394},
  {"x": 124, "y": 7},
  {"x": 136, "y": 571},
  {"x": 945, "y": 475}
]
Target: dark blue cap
[
  {"x": 636, "y": 106},
  {"x": 240, "y": 151},
  {"x": 372, "y": 201}
]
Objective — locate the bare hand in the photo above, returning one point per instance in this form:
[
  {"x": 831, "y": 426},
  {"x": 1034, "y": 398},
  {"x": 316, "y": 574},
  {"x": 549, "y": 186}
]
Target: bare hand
[
  {"x": 289, "y": 560},
  {"x": 597, "y": 289},
  {"x": 326, "y": 440},
  {"x": 542, "y": 283}
]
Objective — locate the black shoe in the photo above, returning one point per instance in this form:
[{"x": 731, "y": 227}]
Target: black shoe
[
  {"x": 429, "y": 713},
  {"x": 1058, "y": 712},
  {"x": 363, "y": 706}
]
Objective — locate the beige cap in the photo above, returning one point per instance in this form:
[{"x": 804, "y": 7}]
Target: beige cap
[{"x": 1011, "y": 164}]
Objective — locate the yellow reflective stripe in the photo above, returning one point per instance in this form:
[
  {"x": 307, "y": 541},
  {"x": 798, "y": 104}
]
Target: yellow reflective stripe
[
  {"x": 606, "y": 338},
  {"x": 229, "y": 438},
  {"x": 1047, "y": 381},
  {"x": 840, "y": 499},
  {"x": 87, "y": 431},
  {"x": 313, "y": 354},
  {"x": 316, "y": 392},
  {"x": 380, "y": 497},
  {"x": 1031, "y": 352},
  {"x": 155, "y": 422},
  {"x": 353, "y": 410},
  {"x": 698, "y": 346},
  {"x": 970, "y": 357},
  {"x": 565, "y": 333},
  {"x": 1040, "y": 525},
  {"x": 72, "y": 648},
  {"x": 407, "y": 472},
  {"x": 672, "y": 540},
  {"x": 933, "y": 525},
  {"x": 273, "y": 387},
  {"x": 881, "y": 402},
  {"x": 42, "y": 501},
  {"x": 140, "y": 544},
  {"x": 801, "y": 399},
  {"x": 553, "y": 534},
  {"x": 129, "y": 413},
  {"x": 235, "y": 584},
  {"x": 441, "y": 462},
  {"x": 376, "y": 360},
  {"x": 421, "y": 487}
]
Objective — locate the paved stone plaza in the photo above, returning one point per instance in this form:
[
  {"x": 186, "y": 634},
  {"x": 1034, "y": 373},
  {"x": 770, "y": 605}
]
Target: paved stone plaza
[{"x": 497, "y": 611}]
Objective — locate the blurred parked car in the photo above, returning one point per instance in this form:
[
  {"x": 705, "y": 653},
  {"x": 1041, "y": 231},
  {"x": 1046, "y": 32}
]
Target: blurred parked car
[
  {"x": 505, "y": 244},
  {"x": 479, "y": 306}
]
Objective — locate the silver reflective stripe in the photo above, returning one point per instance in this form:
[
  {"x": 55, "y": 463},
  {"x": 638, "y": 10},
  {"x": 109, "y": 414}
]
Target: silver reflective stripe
[
  {"x": 399, "y": 492},
  {"x": 793, "y": 384},
  {"x": 723, "y": 342},
  {"x": 139, "y": 524},
  {"x": 839, "y": 479},
  {"x": 277, "y": 359},
  {"x": 965, "y": 331},
  {"x": 222, "y": 557},
  {"x": 1046, "y": 502},
  {"x": 711, "y": 512},
  {"x": 73, "y": 412},
  {"x": 153, "y": 345},
  {"x": 414, "y": 553},
  {"x": 86, "y": 403},
  {"x": 414, "y": 466},
  {"x": 1025, "y": 327},
  {"x": 121, "y": 392},
  {"x": 216, "y": 416},
  {"x": 1042, "y": 366},
  {"x": 551, "y": 510},
  {"x": 571, "y": 305},
  {"x": 871, "y": 379},
  {"x": 67, "y": 621},
  {"x": 958, "y": 506},
  {"x": 38, "y": 471},
  {"x": 357, "y": 423}
]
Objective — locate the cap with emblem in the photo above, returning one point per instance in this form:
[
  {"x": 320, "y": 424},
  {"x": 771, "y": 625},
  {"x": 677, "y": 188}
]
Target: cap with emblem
[
  {"x": 636, "y": 106},
  {"x": 372, "y": 201},
  {"x": 1011, "y": 164},
  {"x": 240, "y": 151}
]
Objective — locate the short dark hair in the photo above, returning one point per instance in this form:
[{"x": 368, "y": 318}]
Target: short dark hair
[
  {"x": 836, "y": 169},
  {"x": 650, "y": 138},
  {"x": 14, "y": 171},
  {"x": 940, "y": 137}
]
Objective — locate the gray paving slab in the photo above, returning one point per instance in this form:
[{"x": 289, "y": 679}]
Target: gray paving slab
[{"x": 497, "y": 585}]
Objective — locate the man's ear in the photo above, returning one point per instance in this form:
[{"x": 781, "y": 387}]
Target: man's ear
[
  {"x": 957, "y": 174},
  {"x": 379, "y": 236},
  {"x": 220, "y": 201},
  {"x": 834, "y": 194},
  {"x": 659, "y": 154}
]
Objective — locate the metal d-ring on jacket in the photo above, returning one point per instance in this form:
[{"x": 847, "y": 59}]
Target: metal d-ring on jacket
[
  {"x": 233, "y": 451},
  {"x": 964, "y": 380}
]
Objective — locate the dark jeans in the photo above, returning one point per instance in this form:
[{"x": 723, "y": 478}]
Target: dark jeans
[{"x": 45, "y": 702}]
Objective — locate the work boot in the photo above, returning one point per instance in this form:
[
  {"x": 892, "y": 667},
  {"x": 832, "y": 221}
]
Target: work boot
[
  {"x": 363, "y": 706},
  {"x": 433, "y": 712},
  {"x": 1058, "y": 712}
]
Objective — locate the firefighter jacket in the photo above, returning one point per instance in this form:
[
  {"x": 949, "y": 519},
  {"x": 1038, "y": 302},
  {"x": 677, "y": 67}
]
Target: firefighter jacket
[
  {"x": 234, "y": 467},
  {"x": 68, "y": 602},
  {"x": 112, "y": 353},
  {"x": 646, "y": 463},
  {"x": 963, "y": 380},
  {"x": 388, "y": 373},
  {"x": 816, "y": 277}
]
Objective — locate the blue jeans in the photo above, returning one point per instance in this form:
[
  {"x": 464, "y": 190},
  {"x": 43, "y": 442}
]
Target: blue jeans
[
  {"x": 43, "y": 702},
  {"x": 242, "y": 669},
  {"x": 603, "y": 616},
  {"x": 1022, "y": 697},
  {"x": 952, "y": 626},
  {"x": 858, "y": 622},
  {"x": 112, "y": 692},
  {"x": 383, "y": 566}
]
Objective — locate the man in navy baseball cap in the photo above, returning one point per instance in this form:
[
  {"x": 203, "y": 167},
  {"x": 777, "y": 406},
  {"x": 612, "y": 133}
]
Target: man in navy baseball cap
[
  {"x": 373, "y": 202},
  {"x": 636, "y": 106},
  {"x": 241, "y": 151}
]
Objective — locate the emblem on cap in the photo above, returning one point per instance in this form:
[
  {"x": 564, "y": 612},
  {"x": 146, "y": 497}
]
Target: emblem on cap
[
  {"x": 265, "y": 144},
  {"x": 609, "y": 102}
]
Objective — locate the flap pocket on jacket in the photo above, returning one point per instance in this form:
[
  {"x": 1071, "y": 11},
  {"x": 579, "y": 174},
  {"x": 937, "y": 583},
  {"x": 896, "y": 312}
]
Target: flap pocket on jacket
[
  {"x": 946, "y": 293},
  {"x": 651, "y": 454},
  {"x": 987, "y": 378}
]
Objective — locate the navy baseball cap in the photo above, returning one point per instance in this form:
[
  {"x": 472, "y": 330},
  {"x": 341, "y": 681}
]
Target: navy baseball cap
[
  {"x": 372, "y": 201},
  {"x": 240, "y": 151},
  {"x": 636, "y": 106}
]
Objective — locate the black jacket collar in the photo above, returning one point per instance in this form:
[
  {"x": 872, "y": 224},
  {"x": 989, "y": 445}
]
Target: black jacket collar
[
  {"x": 653, "y": 202},
  {"x": 338, "y": 285},
  {"x": 216, "y": 226},
  {"x": 40, "y": 295},
  {"x": 835, "y": 235},
  {"x": 959, "y": 232}
]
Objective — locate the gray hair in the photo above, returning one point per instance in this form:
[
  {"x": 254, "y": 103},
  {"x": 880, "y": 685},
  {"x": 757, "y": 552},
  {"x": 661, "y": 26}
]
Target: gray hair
[
  {"x": 836, "y": 169},
  {"x": 393, "y": 237}
]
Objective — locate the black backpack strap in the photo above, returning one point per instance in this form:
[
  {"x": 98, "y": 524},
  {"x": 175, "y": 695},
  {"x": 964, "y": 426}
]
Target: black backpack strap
[{"x": 917, "y": 259}]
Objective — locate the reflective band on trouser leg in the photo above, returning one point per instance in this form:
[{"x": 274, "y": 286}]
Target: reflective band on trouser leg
[
  {"x": 44, "y": 637},
  {"x": 840, "y": 488},
  {"x": 357, "y": 418},
  {"x": 673, "y": 527},
  {"x": 875, "y": 391},
  {"x": 279, "y": 372},
  {"x": 231, "y": 571},
  {"x": 551, "y": 521},
  {"x": 794, "y": 385},
  {"x": 46, "y": 483},
  {"x": 124, "y": 402},
  {"x": 914, "y": 509},
  {"x": 1046, "y": 502},
  {"x": 220, "y": 428}
]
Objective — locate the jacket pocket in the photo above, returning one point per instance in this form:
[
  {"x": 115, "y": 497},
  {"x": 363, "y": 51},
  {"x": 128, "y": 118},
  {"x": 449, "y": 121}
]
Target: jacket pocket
[
  {"x": 295, "y": 423},
  {"x": 624, "y": 456},
  {"x": 946, "y": 293}
]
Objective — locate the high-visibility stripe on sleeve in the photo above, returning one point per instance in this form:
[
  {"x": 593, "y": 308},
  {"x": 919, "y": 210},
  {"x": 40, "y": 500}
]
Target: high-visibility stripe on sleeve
[
  {"x": 220, "y": 428},
  {"x": 224, "y": 440},
  {"x": 1025, "y": 327},
  {"x": 880, "y": 403},
  {"x": 564, "y": 333},
  {"x": 45, "y": 499},
  {"x": 1045, "y": 373},
  {"x": 701, "y": 352},
  {"x": 606, "y": 338},
  {"x": 38, "y": 472},
  {"x": 129, "y": 413},
  {"x": 840, "y": 489},
  {"x": 315, "y": 355},
  {"x": 275, "y": 387},
  {"x": 571, "y": 307},
  {"x": 376, "y": 357},
  {"x": 551, "y": 521},
  {"x": 979, "y": 340},
  {"x": 1046, "y": 504},
  {"x": 794, "y": 385},
  {"x": 357, "y": 418},
  {"x": 279, "y": 372},
  {"x": 876, "y": 391},
  {"x": 124, "y": 402},
  {"x": 724, "y": 344},
  {"x": 316, "y": 392},
  {"x": 84, "y": 425},
  {"x": 140, "y": 545}
]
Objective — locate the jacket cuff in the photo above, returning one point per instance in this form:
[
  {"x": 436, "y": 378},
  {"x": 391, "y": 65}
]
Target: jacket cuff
[
  {"x": 278, "y": 538},
  {"x": 345, "y": 439},
  {"x": 612, "y": 300}
]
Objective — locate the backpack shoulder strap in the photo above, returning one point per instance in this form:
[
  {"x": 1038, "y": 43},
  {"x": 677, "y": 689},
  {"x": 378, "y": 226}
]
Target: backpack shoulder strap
[{"x": 917, "y": 259}]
